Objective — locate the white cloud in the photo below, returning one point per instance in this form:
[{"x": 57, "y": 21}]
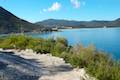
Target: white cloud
[
  {"x": 76, "y": 3},
  {"x": 55, "y": 7}
]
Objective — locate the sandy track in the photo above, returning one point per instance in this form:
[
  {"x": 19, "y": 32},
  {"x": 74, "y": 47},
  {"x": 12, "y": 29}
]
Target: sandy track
[{"x": 26, "y": 65}]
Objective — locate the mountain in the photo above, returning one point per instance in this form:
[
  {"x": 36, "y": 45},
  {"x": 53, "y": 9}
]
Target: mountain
[
  {"x": 79, "y": 24},
  {"x": 55, "y": 22},
  {"x": 118, "y": 19},
  {"x": 9, "y": 23}
]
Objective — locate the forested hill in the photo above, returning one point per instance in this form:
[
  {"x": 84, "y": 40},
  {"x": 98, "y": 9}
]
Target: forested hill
[
  {"x": 80, "y": 24},
  {"x": 9, "y": 23}
]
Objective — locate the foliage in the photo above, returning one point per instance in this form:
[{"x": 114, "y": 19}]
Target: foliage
[
  {"x": 96, "y": 63},
  {"x": 14, "y": 41},
  {"x": 60, "y": 46}
]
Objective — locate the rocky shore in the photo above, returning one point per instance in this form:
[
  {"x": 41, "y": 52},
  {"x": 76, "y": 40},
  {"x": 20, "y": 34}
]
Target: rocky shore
[{"x": 27, "y": 65}]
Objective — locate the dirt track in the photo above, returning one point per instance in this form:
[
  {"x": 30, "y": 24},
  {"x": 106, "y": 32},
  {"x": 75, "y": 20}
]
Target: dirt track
[{"x": 25, "y": 65}]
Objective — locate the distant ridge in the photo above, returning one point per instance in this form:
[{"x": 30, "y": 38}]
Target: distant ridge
[
  {"x": 79, "y": 24},
  {"x": 118, "y": 19},
  {"x": 9, "y": 23}
]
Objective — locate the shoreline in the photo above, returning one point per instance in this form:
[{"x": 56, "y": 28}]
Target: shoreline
[{"x": 59, "y": 30}]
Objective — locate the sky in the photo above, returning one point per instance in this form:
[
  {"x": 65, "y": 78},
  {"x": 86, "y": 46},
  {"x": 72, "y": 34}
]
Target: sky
[{"x": 80, "y": 10}]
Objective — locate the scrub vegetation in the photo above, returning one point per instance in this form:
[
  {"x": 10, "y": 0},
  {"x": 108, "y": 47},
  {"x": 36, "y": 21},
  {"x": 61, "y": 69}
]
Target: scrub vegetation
[{"x": 98, "y": 64}]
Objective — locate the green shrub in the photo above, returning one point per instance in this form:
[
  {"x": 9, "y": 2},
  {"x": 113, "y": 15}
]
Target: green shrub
[
  {"x": 44, "y": 46},
  {"x": 32, "y": 43},
  {"x": 59, "y": 47},
  {"x": 96, "y": 63},
  {"x": 22, "y": 42},
  {"x": 62, "y": 41},
  {"x": 15, "y": 41}
]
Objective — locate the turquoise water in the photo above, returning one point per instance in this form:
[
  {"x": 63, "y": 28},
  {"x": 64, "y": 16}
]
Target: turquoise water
[{"x": 105, "y": 39}]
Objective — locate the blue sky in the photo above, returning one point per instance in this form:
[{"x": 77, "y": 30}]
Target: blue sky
[{"x": 82, "y": 10}]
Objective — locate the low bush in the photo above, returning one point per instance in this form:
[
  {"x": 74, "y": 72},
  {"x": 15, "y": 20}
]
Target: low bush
[
  {"x": 57, "y": 46},
  {"x": 96, "y": 63}
]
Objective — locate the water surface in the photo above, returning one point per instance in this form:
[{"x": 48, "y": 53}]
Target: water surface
[{"x": 105, "y": 39}]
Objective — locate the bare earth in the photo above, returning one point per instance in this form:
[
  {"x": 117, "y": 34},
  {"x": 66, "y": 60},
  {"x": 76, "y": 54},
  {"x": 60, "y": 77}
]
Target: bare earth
[{"x": 26, "y": 65}]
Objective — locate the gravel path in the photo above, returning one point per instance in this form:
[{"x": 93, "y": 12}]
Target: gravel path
[{"x": 26, "y": 65}]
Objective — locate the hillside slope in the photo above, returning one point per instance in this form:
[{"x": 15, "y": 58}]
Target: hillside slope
[
  {"x": 9, "y": 23},
  {"x": 79, "y": 24}
]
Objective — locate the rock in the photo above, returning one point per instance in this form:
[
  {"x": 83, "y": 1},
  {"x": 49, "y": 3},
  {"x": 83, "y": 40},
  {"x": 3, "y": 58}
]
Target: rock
[{"x": 1, "y": 49}]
